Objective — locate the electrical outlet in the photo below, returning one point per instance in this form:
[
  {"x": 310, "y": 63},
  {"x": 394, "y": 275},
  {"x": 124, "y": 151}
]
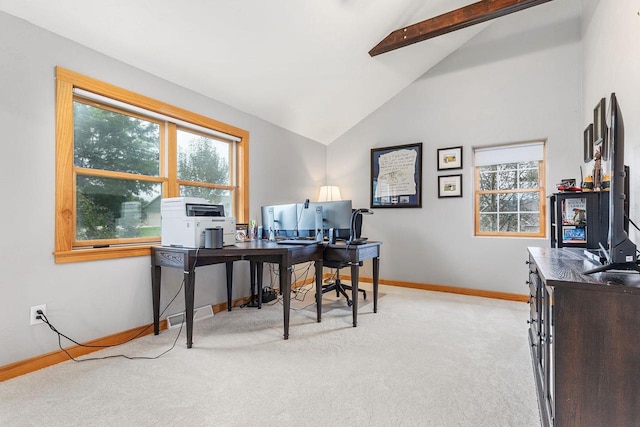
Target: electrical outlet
[{"x": 34, "y": 314}]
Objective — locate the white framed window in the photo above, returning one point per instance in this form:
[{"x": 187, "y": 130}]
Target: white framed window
[{"x": 510, "y": 190}]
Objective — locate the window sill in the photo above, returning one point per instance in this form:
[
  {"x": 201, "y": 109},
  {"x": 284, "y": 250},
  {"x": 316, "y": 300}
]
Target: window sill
[
  {"x": 505, "y": 234},
  {"x": 95, "y": 254}
]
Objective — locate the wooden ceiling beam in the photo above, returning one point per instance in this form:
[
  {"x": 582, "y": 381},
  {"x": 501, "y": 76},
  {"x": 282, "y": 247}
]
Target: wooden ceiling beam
[{"x": 463, "y": 17}]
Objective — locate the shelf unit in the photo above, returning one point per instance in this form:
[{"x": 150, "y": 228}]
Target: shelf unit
[{"x": 579, "y": 220}]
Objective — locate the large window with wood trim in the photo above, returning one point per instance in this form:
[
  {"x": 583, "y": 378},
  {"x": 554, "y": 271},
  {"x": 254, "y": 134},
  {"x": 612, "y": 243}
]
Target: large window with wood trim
[
  {"x": 119, "y": 153},
  {"x": 509, "y": 190}
]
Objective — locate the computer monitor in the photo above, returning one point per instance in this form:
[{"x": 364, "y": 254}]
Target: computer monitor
[
  {"x": 336, "y": 215},
  {"x": 279, "y": 220}
]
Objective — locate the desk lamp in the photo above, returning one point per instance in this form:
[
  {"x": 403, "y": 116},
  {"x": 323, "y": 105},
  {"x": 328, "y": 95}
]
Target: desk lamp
[{"x": 329, "y": 193}]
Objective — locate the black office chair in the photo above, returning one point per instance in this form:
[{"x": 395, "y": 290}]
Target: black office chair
[{"x": 337, "y": 284}]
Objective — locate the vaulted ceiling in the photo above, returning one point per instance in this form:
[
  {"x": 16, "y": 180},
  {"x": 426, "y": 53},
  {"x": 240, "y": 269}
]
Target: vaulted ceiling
[{"x": 302, "y": 65}]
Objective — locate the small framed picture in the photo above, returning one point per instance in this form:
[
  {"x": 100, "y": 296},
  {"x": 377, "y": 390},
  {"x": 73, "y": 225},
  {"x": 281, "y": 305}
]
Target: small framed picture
[
  {"x": 450, "y": 186},
  {"x": 449, "y": 158},
  {"x": 600, "y": 129},
  {"x": 242, "y": 232},
  {"x": 588, "y": 143},
  {"x": 574, "y": 235}
]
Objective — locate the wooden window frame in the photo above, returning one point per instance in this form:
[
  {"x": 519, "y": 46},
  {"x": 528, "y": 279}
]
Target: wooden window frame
[
  {"x": 543, "y": 205},
  {"x": 65, "y": 206}
]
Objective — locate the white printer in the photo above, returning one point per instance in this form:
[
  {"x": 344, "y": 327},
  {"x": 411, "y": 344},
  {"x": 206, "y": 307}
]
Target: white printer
[{"x": 185, "y": 219}]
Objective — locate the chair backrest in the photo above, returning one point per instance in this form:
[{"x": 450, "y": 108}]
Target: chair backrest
[
  {"x": 358, "y": 224},
  {"x": 358, "y": 230}
]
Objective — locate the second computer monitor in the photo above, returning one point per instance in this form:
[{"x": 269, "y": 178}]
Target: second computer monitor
[
  {"x": 279, "y": 220},
  {"x": 336, "y": 215}
]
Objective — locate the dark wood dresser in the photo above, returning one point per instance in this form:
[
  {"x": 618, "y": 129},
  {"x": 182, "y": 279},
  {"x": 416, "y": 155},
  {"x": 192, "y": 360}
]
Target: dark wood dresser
[{"x": 585, "y": 340}]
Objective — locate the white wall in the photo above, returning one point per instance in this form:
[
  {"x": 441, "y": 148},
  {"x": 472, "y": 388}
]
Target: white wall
[
  {"x": 511, "y": 83},
  {"x": 611, "y": 29},
  {"x": 90, "y": 300}
]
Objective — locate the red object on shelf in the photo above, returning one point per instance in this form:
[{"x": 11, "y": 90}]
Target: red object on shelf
[{"x": 563, "y": 188}]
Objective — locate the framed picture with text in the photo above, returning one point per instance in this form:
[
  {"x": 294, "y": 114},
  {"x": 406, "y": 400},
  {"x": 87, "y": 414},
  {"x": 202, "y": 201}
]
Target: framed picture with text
[
  {"x": 396, "y": 176},
  {"x": 449, "y": 158}
]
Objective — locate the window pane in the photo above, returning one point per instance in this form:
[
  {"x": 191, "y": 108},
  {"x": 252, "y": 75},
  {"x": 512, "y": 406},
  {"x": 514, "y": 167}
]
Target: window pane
[
  {"x": 528, "y": 178},
  {"x": 530, "y": 223},
  {"x": 202, "y": 159},
  {"x": 111, "y": 141},
  {"x": 488, "y": 180},
  {"x": 506, "y": 167},
  {"x": 508, "y": 223},
  {"x": 488, "y": 223},
  {"x": 507, "y": 179},
  {"x": 215, "y": 196},
  {"x": 508, "y": 202},
  {"x": 529, "y": 202},
  {"x": 488, "y": 203},
  {"x": 109, "y": 208}
]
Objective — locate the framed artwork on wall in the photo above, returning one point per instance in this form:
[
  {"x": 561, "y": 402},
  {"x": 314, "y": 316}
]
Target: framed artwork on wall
[
  {"x": 450, "y": 186},
  {"x": 450, "y": 158},
  {"x": 600, "y": 129},
  {"x": 396, "y": 176},
  {"x": 588, "y": 143}
]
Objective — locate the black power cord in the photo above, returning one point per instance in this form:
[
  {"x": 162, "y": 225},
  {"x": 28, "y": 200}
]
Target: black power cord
[
  {"x": 44, "y": 318},
  {"x": 299, "y": 293}
]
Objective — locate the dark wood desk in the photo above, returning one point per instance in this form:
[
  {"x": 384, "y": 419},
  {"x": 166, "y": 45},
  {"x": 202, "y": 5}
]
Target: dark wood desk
[
  {"x": 255, "y": 251},
  {"x": 353, "y": 255}
]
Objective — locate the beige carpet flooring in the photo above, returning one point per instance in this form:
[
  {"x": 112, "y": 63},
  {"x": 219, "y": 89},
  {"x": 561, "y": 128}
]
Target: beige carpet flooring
[{"x": 425, "y": 359}]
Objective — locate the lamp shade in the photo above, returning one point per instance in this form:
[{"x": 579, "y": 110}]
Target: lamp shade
[{"x": 329, "y": 193}]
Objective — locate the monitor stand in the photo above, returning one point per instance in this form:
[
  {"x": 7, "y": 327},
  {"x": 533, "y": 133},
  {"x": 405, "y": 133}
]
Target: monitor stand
[
  {"x": 602, "y": 256},
  {"x": 319, "y": 232},
  {"x": 631, "y": 266}
]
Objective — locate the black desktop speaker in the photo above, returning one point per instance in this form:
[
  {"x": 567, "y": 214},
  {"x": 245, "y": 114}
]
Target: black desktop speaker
[{"x": 332, "y": 235}]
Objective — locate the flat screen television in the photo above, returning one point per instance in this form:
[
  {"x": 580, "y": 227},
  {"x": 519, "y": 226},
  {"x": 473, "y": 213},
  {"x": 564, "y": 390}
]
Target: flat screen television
[{"x": 619, "y": 252}]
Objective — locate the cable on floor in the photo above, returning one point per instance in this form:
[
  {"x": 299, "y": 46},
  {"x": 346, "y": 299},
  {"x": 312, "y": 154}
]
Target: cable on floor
[{"x": 61, "y": 335}]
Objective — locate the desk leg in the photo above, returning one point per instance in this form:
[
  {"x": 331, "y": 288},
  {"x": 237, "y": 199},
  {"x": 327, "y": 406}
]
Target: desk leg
[
  {"x": 252, "y": 282},
  {"x": 189, "y": 291},
  {"x": 355, "y": 273},
  {"x": 156, "y": 272},
  {"x": 229, "y": 267},
  {"x": 318, "y": 266},
  {"x": 376, "y": 276},
  {"x": 260, "y": 270},
  {"x": 285, "y": 290}
]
